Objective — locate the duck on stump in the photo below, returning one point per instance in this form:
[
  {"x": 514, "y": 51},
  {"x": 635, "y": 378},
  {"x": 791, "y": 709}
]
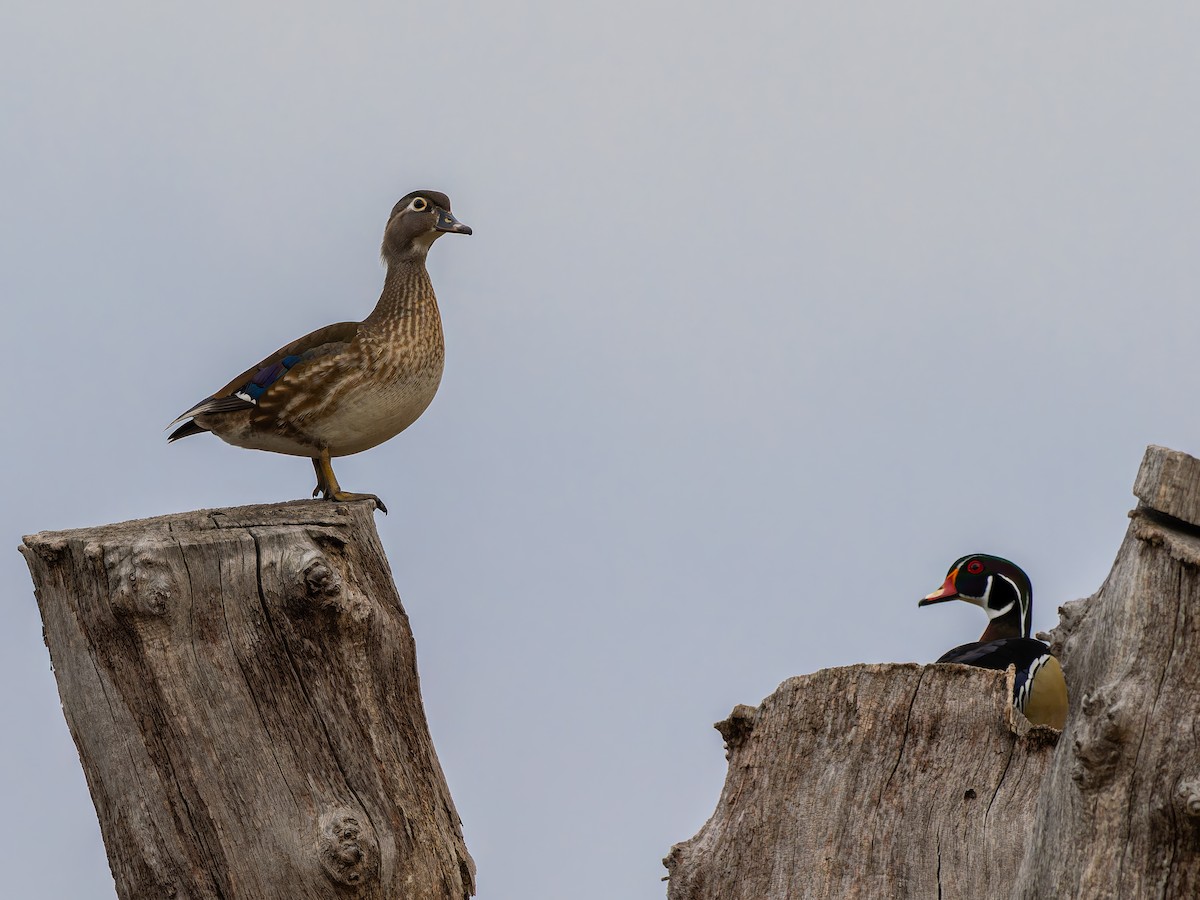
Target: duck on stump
[
  {"x": 347, "y": 387},
  {"x": 1005, "y": 593}
]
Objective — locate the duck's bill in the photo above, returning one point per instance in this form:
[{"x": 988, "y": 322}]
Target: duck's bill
[
  {"x": 447, "y": 222},
  {"x": 948, "y": 591}
]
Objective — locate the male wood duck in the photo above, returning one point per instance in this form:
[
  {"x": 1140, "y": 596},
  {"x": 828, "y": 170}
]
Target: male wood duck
[
  {"x": 1006, "y": 595},
  {"x": 346, "y": 387}
]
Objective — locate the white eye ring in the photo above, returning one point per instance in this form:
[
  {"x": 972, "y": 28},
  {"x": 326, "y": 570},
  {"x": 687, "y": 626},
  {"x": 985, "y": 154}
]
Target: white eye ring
[{"x": 419, "y": 204}]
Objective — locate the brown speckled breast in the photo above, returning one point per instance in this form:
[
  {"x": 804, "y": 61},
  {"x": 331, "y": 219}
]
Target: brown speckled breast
[{"x": 359, "y": 394}]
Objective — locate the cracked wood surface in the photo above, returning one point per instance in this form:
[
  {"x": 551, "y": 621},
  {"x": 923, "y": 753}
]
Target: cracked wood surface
[
  {"x": 1119, "y": 816},
  {"x": 903, "y": 781},
  {"x": 241, "y": 685},
  {"x": 869, "y": 781}
]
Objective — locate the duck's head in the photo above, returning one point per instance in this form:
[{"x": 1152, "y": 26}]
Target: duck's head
[
  {"x": 1000, "y": 587},
  {"x": 417, "y": 220}
]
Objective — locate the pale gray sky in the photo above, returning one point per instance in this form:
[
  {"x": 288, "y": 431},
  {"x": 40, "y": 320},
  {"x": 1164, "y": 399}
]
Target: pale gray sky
[{"x": 770, "y": 313}]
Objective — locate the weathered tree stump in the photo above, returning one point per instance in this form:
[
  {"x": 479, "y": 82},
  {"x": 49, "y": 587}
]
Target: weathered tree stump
[
  {"x": 904, "y": 781},
  {"x": 242, "y": 687},
  {"x": 1119, "y": 813},
  {"x": 871, "y": 781}
]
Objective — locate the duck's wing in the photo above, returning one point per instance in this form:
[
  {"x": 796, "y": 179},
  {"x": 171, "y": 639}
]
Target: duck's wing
[
  {"x": 244, "y": 391},
  {"x": 1026, "y": 654},
  {"x": 998, "y": 654},
  {"x": 1039, "y": 690}
]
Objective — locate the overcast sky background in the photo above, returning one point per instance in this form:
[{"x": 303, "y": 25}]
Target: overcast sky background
[{"x": 770, "y": 313}]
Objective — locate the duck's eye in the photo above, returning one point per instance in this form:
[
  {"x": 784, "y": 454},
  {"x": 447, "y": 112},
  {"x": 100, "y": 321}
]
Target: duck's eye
[
  {"x": 974, "y": 567},
  {"x": 419, "y": 204}
]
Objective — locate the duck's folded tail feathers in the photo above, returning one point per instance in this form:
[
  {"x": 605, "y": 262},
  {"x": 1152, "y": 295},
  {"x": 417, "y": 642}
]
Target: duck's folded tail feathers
[
  {"x": 187, "y": 429},
  {"x": 214, "y": 405}
]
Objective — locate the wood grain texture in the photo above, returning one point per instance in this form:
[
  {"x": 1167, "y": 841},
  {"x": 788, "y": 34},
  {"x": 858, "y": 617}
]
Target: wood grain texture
[
  {"x": 242, "y": 687},
  {"x": 870, "y": 781},
  {"x": 1119, "y": 815},
  {"x": 1169, "y": 482}
]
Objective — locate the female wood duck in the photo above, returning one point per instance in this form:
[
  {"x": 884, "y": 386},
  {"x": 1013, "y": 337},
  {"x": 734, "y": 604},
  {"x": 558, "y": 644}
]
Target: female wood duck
[
  {"x": 1006, "y": 595},
  {"x": 346, "y": 387}
]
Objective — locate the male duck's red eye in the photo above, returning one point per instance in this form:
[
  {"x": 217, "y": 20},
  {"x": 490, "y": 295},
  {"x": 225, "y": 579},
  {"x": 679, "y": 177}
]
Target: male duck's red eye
[{"x": 974, "y": 567}]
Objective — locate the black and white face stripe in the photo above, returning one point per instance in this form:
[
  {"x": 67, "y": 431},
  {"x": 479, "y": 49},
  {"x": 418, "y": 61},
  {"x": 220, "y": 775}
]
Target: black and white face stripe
[
  {"x": 985, "y": 599},
  {"x": 996, "y": 585},
  {"x": 1015, "y": 593},
  {"x": 1018, "y": 596}
]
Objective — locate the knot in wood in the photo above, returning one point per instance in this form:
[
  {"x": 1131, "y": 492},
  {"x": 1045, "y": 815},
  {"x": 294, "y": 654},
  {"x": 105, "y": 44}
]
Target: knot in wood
[
  {"x": 318, "y": 583},
  {"x": 142, "y": 580},
  {"x": 1070, "y": 617},
  {"x": 321, "y": 581},
  {"x": 313, "y": 580},
  {"x": 1100, "y": 737},
  {"x": 348, "y": 854},
  {"x": 1188, "y": 797},
  {"x": 737, "y": 727}
]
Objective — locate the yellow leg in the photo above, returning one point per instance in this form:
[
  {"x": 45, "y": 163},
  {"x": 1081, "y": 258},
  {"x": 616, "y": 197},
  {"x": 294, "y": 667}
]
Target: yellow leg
[{"x": 328, "y": 486}]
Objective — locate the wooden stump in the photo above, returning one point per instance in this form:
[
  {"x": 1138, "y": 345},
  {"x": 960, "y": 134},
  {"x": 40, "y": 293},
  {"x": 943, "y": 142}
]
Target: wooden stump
[
  {"x": 904, "y": 781},
  {"x": 1119, "y": 815},
  {"x": 242, "y": 687},
  {"x": 870, "y": 781}
]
